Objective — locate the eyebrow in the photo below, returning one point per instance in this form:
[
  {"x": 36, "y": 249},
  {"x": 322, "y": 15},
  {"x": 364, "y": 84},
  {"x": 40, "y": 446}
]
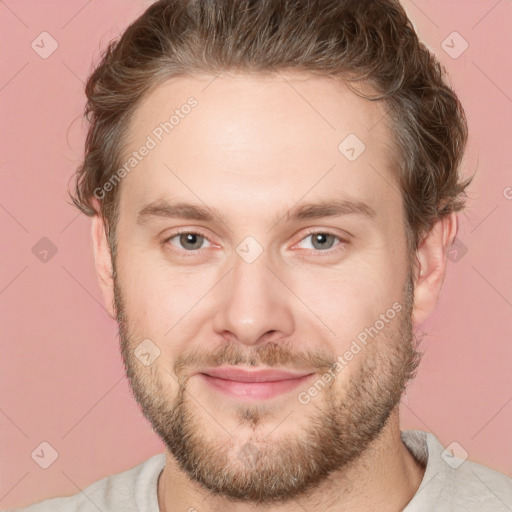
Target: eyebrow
[{"x": 305, "y": 211}]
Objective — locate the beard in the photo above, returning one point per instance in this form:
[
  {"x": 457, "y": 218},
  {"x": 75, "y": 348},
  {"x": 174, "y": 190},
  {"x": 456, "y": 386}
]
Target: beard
[{"x": 337, "y": 430}]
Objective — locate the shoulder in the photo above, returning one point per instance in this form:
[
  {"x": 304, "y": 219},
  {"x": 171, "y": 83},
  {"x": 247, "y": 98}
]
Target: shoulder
[
  {"x": 473, "y": 485},
  {"x": 131, "y": 490},
  {"x": 452, "y": 483}
]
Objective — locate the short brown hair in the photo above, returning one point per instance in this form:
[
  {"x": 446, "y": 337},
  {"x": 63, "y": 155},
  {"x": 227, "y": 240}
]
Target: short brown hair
[{"x": 371, "y": 42}]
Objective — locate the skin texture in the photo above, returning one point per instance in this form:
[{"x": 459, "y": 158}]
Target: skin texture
[{"x": 253, "y": 148}]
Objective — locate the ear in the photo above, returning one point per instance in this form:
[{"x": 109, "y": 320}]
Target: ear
[
  {"x": 103, "y": 263},
  {"x": 432, "y": 256}
]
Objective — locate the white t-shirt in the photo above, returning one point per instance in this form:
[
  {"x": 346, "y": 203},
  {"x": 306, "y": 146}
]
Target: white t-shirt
[{"x": 449, "y": 484}]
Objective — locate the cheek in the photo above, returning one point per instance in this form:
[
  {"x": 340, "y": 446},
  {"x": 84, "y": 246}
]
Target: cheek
[
  {"x": 345, "y": 298},
  {"x": 164, "y": 303},
  {"x": 348, "y": 303},
  {"x": 150, "y": 299}
]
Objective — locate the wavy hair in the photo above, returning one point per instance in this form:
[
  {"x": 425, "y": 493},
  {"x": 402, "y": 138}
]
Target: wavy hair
[{"x": 369, "y": 42}]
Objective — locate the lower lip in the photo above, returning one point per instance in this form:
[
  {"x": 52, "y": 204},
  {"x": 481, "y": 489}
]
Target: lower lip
[{"x": 254, "y": 390}]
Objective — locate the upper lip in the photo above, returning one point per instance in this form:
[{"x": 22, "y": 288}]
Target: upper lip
[{"x": 240, "y": 375}]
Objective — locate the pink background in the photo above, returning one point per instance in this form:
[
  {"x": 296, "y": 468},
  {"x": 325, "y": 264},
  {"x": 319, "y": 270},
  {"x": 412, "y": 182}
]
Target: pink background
[{"x": 62, "y": 379}]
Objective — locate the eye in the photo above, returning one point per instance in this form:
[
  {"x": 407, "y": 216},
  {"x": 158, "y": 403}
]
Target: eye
[
  {"x": 188, "y": 240},
  {"x": 322, "y": 241},
  {"x": 191, "y": 241}
]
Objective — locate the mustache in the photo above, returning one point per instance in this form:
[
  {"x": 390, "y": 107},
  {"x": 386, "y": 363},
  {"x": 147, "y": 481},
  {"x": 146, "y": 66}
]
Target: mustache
[{"x": 271, "y": 354}]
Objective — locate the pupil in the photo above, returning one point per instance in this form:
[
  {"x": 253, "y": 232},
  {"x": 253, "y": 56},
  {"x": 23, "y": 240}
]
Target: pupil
[
  {"x": 321, "y": 238},
  {"x": 188, "y": 238}
]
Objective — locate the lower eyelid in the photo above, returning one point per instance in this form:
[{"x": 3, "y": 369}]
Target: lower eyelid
[{"x": 340, "y": 239}]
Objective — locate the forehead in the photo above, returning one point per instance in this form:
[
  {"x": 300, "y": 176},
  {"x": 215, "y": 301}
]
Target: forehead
[{"x": 258, "y": 140}]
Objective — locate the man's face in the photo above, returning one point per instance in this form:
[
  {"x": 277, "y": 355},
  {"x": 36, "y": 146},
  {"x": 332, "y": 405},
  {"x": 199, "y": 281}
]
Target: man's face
[{"x": 328, "y": 298}]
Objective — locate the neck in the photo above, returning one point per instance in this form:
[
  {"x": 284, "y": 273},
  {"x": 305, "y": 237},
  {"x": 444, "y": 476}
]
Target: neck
[{"x": 384, "y": 478}]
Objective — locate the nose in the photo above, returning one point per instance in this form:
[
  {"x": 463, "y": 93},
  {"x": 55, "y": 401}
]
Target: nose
[{"x": 255, "y": 305}]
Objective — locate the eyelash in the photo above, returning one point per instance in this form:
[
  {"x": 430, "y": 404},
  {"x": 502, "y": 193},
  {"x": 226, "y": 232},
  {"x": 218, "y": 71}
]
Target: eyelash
[{"x": 342, "y": 241}]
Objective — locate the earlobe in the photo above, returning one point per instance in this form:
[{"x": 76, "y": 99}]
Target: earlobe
[
  {"x": 432, "y": 257},
  {"x": 103, "y": 263}
]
